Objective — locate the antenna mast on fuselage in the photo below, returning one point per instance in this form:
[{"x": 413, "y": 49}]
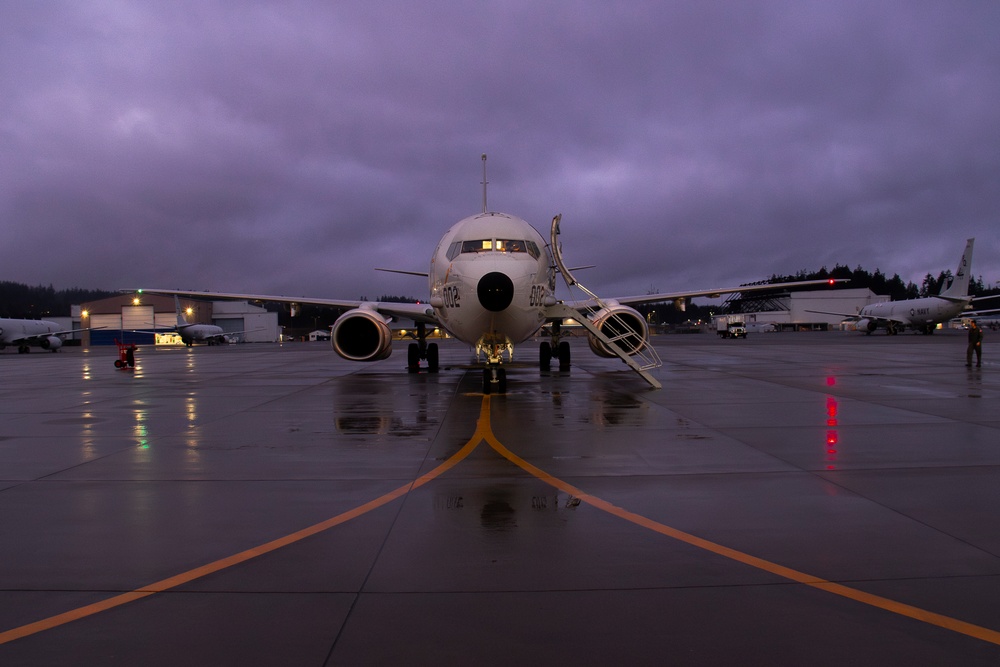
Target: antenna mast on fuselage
[{"x": 484, "y": 183}]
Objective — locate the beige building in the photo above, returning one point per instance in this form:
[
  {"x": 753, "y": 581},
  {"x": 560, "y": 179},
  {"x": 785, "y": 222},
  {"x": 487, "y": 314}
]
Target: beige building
[{"x": 133, "y": 317}]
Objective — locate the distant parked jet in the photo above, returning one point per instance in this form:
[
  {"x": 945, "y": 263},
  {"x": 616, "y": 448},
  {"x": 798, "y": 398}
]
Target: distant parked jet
[
  {"x": 26, "y": 334},
  {"x": 922, "y": 314}
]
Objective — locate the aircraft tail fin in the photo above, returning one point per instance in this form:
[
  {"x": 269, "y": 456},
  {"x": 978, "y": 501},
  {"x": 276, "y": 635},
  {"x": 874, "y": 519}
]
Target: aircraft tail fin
[
  {"x": 959, "y": 286},
  {"x": 181, "y": 320}
]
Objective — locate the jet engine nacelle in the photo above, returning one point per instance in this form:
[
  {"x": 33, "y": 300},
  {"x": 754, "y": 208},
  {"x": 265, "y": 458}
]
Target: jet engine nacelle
[
  {"x": 50, "y": 343},
  {"x": 625, "y": 326},
  {"x": 866, "y": 325},
  {"x": 362, "y": 335}
]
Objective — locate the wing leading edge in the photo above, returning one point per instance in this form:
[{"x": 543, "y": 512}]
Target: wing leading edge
[{"x": 418, "y": 312}]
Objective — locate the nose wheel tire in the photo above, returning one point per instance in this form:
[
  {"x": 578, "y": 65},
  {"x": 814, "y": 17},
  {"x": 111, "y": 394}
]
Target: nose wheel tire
[{"x": 494, "y": 380}]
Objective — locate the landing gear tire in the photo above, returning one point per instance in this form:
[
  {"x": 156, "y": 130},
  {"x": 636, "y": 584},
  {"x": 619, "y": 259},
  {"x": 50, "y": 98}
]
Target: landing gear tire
[
  {"x": 413, "y": 358},
  {"x": 432, "y": 358},
  {"x": 494, "y": 378},
  {"x": 564, "y": 356},
  {"x": 544, "y": 356}
]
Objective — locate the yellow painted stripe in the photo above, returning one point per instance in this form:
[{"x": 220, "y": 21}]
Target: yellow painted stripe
[
  {"x": 910, "y": 611},
  {"x": 243, "y": 556}
]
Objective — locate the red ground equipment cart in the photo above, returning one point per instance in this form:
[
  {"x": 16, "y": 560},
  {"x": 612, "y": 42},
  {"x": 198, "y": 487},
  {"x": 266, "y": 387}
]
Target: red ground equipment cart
[{"x": 126, "y": 355}]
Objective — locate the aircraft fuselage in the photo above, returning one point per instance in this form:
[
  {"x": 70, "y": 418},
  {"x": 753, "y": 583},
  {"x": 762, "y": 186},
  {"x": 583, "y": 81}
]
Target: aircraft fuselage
[
  {"x": 25, "y": 333},
  {"x": 928, "y": 310},
  {"x": 490, "y": 280},
  {"x": 209, "y": 333}
]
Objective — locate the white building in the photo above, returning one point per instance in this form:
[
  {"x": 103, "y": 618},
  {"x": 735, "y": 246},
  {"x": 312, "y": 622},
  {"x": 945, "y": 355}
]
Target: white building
[{"x": 803, "y": 310}]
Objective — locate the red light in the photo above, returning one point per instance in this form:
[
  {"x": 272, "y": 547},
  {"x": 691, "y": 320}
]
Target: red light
[{"x": 831, "y": 281}]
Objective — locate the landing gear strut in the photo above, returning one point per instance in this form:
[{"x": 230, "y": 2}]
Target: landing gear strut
[{"x": 422, "y": 350}]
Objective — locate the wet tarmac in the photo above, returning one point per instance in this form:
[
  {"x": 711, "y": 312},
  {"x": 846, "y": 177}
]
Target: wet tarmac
[{"x": 791, "y": 499}]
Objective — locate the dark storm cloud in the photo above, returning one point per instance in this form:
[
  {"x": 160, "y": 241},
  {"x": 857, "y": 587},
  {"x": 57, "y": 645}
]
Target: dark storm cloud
[{"x": 292, "y": 147}]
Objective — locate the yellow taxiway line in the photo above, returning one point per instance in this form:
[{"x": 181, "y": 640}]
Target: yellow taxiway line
[{"x": 484, "y": 433}]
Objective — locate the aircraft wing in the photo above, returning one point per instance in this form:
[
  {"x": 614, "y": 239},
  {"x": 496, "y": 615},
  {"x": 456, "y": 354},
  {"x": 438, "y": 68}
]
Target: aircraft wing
[
  {"x": 854, "y": 316},
  {"x": 418, "y": 312},
  {"x": 712, "y": 293},
  {"x": 35, "y": 337}
]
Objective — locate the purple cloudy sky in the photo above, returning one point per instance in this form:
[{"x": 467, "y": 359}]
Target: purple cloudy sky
[{"x": 290, "y": 147}]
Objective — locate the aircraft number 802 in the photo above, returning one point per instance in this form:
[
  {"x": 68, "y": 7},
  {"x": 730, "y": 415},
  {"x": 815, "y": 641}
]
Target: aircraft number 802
[
  {"x": 450, "y": 294},
  {"x": 537, "y": 297}
]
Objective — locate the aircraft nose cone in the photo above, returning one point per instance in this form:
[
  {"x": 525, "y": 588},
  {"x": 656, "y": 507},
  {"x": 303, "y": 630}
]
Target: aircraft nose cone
[{"x": 495, "y": 291}]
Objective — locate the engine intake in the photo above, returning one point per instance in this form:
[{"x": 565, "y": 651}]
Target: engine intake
[
  {"x": 866, "y": 325},
  {"x": 362, "y": 335},
  {"x": 625, "y": 326},
  {"x": 50, "y": 343}
]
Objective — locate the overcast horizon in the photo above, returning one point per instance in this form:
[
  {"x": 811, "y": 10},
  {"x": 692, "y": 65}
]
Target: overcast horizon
[{"x": 291, "y": 148}]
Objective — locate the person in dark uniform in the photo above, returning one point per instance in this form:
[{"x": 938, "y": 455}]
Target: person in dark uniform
[{"x": 975, "y": 344}]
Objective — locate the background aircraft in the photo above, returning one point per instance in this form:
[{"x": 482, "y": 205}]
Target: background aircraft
[
  {"x": 26, "y": 334},
  {"x": 922, "y": 314},
  {"x": 194, "y": 333}
]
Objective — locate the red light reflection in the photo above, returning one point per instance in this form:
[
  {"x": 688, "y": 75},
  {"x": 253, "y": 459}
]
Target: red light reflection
[{"x": 832, "y": 437}]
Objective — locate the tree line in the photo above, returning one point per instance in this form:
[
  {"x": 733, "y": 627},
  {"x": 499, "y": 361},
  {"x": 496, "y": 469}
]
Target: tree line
[
  {"x": 879, "y": 283},
  {"x": 32, "y": 303}
]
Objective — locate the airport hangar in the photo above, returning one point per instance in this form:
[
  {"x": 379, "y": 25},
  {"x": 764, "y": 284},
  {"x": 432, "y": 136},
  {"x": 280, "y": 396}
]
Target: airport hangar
[
  {"x": 126, "y": 316},
  {"x": 795, "y": 311}
]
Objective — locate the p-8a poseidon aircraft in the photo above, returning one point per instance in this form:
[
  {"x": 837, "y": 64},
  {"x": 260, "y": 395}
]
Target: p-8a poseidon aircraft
[
  {"x": 492, "y": 283},
  {"x": 923, "y": 314},
  {"x": 27, "y": 333}
]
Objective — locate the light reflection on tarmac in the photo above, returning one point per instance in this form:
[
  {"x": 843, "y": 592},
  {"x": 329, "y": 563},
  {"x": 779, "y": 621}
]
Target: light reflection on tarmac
[{"x": 277, "y": 505}]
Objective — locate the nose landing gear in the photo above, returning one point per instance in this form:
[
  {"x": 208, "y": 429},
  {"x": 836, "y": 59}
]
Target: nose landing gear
[{"x": 494, "y": 380}]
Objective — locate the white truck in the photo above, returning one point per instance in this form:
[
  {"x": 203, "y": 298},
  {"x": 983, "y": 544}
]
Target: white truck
[{"x": 730, "y": 326}]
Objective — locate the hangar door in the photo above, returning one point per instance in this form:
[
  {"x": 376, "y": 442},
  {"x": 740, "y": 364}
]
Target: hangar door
[{"x": 137, "y": 317}]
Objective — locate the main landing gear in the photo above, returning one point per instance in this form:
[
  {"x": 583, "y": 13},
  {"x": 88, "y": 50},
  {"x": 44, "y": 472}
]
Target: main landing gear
[
  {"x": 556, "y": 348},
  {"x": 422, "y": 350}
]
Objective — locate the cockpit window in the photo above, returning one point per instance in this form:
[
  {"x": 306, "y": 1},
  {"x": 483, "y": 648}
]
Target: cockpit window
[
  {"x": 501, "y": 245},
  {"x": 508, "y": 245},
  {"x": 485, "y": 245}
]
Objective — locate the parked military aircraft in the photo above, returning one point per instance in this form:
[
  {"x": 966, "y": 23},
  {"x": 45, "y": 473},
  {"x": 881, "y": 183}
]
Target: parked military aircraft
[
  {"x": 492, "y": 282},
  {"x": 194, "y": 333},
  {"x": 26, "y": 334},
  {"x": 923, "y": 314}
]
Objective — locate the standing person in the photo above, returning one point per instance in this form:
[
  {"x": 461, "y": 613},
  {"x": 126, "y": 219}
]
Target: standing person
[{"x": 975, "y": 344}]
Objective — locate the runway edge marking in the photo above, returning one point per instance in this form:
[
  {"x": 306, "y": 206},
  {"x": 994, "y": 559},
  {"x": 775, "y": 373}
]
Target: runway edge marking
[
  {"x": 482, "y": 428},
  {"x": 946, "y": 622}
]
